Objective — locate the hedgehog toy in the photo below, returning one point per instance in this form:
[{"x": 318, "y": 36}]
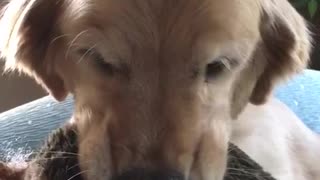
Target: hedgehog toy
[{"x": 47, "y": 164}]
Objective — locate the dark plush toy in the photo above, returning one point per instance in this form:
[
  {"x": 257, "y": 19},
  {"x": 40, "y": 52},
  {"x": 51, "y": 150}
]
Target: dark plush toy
[{"x": 49, "y": 164}]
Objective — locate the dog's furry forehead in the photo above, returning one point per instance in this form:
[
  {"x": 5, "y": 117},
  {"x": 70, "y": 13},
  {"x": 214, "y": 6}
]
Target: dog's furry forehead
[
  {"x": 228, "y": 12},
  {"x": 89, "y": 5}
]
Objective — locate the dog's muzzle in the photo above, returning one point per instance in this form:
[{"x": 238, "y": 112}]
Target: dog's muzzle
[{"x": 146, "y": 174}]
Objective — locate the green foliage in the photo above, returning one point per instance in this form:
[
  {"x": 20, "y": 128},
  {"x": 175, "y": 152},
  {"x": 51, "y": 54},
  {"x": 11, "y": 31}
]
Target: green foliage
[{"x": 312, "y": 6}]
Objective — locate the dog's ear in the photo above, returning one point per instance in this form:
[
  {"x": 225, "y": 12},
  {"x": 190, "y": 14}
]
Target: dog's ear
[
  {"x": 282, "y": 51},
  {"x": 26, "y": 30},
  {"x": 286, "y": 46}
]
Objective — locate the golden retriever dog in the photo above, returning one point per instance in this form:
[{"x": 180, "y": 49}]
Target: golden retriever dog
[{"x": 162, "y": 86}]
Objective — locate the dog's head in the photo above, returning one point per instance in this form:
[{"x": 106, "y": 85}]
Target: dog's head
[{"x": 156, "y": 83}]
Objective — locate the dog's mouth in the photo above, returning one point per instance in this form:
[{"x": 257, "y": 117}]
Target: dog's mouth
[{"x": 58, "y": 159}]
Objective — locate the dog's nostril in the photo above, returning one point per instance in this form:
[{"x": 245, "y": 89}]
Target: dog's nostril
[{"x": 146, "y": 174}]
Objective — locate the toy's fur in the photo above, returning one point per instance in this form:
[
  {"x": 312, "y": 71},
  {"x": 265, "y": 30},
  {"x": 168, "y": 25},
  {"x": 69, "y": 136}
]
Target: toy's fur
[{"x": 58, "y": 160}]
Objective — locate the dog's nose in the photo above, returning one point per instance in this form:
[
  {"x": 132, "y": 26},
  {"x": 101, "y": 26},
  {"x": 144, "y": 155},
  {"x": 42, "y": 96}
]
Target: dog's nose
[{"x": 146, "y": 174}]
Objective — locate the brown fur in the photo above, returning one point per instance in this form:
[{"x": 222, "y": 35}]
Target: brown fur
[
  {"x": 154, "y": 107},
  {"x": 10, "y": 172}
]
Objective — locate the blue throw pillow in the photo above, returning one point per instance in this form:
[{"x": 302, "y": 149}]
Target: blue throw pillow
[{"x": 302, "y": 95}]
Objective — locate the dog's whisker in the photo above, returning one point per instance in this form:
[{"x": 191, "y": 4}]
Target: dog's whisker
[
  {"x": 78, "y": 164},
  {"x": 72, "y": 43},
  {"x": 56, "y": 152},
  {"x": 53, "y": 158},
  {"x": 240, "y": 158},
  {"x": 86, "y": 53},
  {"x": 202, "y": 8},
  {"x": 31, "y": 154},
  {"x": 122, "y": 146},
  {"x": 57, "y": 38},
  {"x": 75, "y": 132},
  {"x": 74, "y": 166},
  {"x": 247, "y": 175},
  {"x": 246, "y": 172},
  {"x": 78, "y": 174}
]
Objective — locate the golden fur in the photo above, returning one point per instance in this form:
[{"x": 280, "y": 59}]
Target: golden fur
[{"x": 151, "y": 106}]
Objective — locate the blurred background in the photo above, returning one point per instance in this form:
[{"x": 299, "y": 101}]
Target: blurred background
[
  {"x": 16, "y": 90},
  {"x": 310, "y": 10}
]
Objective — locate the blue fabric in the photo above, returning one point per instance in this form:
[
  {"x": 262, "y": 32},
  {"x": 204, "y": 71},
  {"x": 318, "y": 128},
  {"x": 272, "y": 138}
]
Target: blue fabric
[
  {"x": 24, "y": 129},
  {"x": 302, "y": 95}
]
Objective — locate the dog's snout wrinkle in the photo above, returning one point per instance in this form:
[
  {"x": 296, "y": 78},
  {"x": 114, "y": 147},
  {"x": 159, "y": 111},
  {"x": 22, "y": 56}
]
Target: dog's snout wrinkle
[{"x": 149, "y": 174}]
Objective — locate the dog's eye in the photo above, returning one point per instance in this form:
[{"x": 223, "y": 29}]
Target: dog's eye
[
  {"x": 99, "y": 61},
  {"x": 216, "y": 67}
]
